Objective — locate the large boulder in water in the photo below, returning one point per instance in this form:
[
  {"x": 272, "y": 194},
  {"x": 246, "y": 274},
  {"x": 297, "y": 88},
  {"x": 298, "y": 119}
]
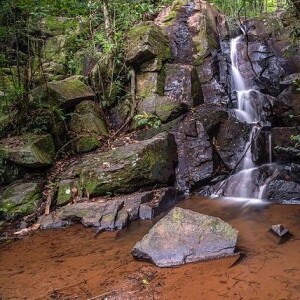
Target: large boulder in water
[
  {"x": 184, "y": 236},
  {"x": 125, "y": 169}
]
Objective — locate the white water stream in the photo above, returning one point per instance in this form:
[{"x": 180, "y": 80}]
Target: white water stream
[{"x": 247, "y": 111}]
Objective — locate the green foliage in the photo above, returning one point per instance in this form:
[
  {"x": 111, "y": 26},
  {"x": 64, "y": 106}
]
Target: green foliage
[
  {"x": 293, "y": 151},
  {"x": 147, "y": 120},
  {"x": 250, "y": 8}
]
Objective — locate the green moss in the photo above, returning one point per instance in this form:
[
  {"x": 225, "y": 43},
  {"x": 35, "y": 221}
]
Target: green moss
[
  {"x": 20, "y": 199},
  {"x": 86, "y": 143},
  {"x": 59, "y": 25}
]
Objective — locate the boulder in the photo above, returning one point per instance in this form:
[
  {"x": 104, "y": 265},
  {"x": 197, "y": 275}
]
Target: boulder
[
  {"x": 165, "y": 108},
  {"x": 283, "y": 191},
  {"x": 29, "y": 150},
  {"x": 287, "y": 104},
  {"x": 146, "y": 43},
  {"x": 127, "y": 168},
  {"x": 20, "y": 199},
  {"x": 184, "y": 236},
  {"x": 87, "y": 126},
  {"x": 182, "y": 84},
  {"x": 67, "y": 93}
]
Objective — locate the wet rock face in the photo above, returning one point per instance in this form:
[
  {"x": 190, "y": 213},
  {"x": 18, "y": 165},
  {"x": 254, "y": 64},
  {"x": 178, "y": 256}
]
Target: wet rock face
[
  {"x": 283, "y": 191},
  {"x": 184, "y": 236},
  {"x": 182, "y": 83},
  {"x": 192, "y": 29},
  {"x": 264, "y": 70},
  {"x": 287, "y": 104},
  {"x": 283, "y": 146},
  {"x": 195, "y": 155},
  {"x": 231, "y": 141},
  {"x": 127, "y": 168}
]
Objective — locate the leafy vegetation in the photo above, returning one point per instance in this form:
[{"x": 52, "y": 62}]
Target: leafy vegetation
[{"x": 147, "y": 120}]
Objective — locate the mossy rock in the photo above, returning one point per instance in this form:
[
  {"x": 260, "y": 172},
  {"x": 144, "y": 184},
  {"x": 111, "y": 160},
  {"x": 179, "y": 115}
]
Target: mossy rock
[
  {"x": 165, "y": 108},
  {"x": 145, "y": 43},
  {"x": 55, "y": 49},
  {"x": 20, "y": 199},
  {"x": 66, "y": 93},
  {"x": 86, "y": 143},
  {"x": 87, "y": 126},
  {"x": 127, "y": 168},
  {"x": 10, "y": 172},
  {"x": 149, "y": 83},
  {"x": 52, "y": 25},
  {"x": 29, "y": 150}
]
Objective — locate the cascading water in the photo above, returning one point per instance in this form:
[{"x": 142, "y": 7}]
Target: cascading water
[{"x": 248, "y": 110}]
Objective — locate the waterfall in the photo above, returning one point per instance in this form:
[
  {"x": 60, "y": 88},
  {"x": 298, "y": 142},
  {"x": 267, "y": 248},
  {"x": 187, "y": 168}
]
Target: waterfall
[{"x": 248, "y": 110}]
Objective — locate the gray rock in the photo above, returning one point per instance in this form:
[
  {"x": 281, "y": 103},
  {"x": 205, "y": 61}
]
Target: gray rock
[
  {"x": 110, "y": 214},
  {"x": 29, "y": 150},
  {"x": 122, "y": 219},
  {"x": 184, "y": 236}
]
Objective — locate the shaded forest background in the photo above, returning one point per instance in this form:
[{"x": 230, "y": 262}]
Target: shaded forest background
[{"x": 104, "y": 25}]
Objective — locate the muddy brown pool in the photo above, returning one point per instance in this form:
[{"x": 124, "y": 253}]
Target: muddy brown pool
[{"x": 72, "y": 264}]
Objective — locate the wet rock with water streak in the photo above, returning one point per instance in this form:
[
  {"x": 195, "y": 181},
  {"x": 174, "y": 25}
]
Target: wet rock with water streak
[
  {"x": 231, "y": 141},
  {"x": 184, "y": 236}
]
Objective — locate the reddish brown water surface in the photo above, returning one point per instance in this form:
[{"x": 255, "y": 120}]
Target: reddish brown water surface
[{"x": 72, "y": 264}]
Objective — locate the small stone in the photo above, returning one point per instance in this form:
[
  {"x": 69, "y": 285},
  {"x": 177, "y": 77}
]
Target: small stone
[{"x": 279, "y": 230}]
